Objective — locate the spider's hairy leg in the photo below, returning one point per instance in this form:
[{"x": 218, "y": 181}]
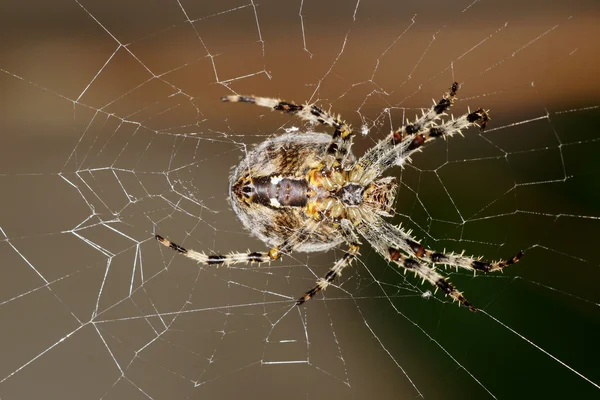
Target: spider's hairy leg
[
  {"x": 462, "y": 261},
  {"x": 215, "y": 259},
  {"x": 428, "y": 118},
  {"x": 449, "y": 128},
  {"x": 292, "y": 242},
  {"x": 429, "y": 274},
  {"x": 385, "y": 238},
  {"x": 397, "y": 147},
  {"x": 336, "y": 271},
  {"x": 386, "y": 155},
  {"x": 412, "y": 246},
  {"x": 341, "y": 137},
  {"x": 425, "y": 121}
]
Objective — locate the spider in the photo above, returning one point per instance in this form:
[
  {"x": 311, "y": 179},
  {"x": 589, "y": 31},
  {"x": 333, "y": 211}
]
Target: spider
[{"x": 306, "y": 192}]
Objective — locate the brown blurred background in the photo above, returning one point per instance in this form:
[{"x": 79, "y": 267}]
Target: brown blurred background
[{"x": 112, "y": 130}]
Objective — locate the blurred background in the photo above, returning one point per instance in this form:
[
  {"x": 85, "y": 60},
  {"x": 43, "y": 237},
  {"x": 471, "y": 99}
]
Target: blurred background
[{"x": 112, "y": 130}]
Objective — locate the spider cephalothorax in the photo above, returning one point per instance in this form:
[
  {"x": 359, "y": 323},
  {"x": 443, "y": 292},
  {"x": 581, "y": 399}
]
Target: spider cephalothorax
[{"x": 307, "y": 192}]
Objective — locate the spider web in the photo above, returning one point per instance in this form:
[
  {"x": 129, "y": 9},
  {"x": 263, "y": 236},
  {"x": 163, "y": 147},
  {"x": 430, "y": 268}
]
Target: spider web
[{"x": 113, "y": 131}]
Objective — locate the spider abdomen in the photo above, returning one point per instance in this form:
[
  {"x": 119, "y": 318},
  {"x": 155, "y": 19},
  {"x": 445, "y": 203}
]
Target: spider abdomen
[
  {"x": 275, "y": 191},
  {"x": 273, "y": 196}
]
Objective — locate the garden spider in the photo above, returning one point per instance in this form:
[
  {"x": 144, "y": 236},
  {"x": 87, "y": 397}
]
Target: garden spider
[{"x": 306, "y": 192}]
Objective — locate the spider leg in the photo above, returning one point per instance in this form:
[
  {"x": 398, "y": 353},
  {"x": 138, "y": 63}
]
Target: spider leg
[
  {"x": 341, "y": 137},
  {"x": 335, "y": 271},
  {"x": 411, "y": 246},
  {"x": 291, "y": 243},
  {"x": 428, "y": 274},
  {"x": 215, "y": 259},
  {"x": 428, "y": 118},
  {"x": 384, "y": 238},
  {"x": 446, "y": 129},
  {"x": 397, "y": 147},
  {"x": 462, "y": 261}
]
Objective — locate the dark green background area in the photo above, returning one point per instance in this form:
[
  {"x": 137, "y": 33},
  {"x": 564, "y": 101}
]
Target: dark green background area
[{"x": 109, "y": 99}]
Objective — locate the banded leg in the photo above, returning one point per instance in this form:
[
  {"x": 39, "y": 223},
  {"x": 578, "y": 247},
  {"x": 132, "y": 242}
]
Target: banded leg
[
  {"x": 428, "y": 118},
  {"x": 428, "y": 274},
  {"x": 478, "y": 117},
  {"x": 290, "y": 244},
  {"x": 397, "y": 147},
  {"x": 332, "y": 274},
  {"x": 397, "y": 153},
  {"x": 371, "y": 158},
  {"x": 411, "y": 246},
  {"x": 389, "y": 241},
  {"x": 229, "y": 259},
  {"x": 336, "y": 271},
  {"x": 341, "y": 138},
  {"x": 462, "y": 261}
]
